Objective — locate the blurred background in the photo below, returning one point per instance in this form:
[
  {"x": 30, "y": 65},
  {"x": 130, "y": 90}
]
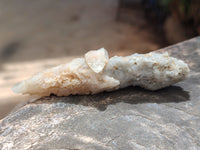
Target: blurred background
[{"x": 38, "y": 34}]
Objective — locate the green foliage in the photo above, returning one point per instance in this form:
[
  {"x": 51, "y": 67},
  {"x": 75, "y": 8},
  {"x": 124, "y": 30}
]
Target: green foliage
[
  {"x": 164, "y": 3},
  {"x": 185, "y": 10}
]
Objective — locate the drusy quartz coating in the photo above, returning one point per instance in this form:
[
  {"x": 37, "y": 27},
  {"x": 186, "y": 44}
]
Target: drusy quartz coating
[{"x": 95, "y": 73}]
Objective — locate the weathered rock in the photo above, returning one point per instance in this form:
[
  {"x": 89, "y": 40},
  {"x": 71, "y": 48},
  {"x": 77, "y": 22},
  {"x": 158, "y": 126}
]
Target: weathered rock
[{"x": 130, "y": 118}]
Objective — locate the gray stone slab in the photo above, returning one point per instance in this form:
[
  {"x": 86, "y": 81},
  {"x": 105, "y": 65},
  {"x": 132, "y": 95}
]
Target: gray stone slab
[{"x": 130, "y": 118}]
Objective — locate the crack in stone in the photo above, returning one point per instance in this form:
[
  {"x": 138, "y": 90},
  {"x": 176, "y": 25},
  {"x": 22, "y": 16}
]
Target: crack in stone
[
  {"x": 142, "y": 116},
  {"x": 158, "y": 123},
  {"x": 138, "y": 143},
  {"x": 112, "y": 139},
  {"x": 182, "y": 110},
  {"x": 181, "y": 127}
]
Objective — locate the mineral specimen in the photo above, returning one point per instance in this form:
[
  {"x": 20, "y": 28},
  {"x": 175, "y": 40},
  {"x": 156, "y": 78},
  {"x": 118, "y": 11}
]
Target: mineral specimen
[{"x": 96, "y": 73}]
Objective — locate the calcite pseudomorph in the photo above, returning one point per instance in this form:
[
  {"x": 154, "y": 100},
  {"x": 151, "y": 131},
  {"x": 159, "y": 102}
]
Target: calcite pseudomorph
[{"x": 95, "y": 73}]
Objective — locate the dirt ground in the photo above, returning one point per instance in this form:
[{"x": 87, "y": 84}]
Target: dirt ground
[{"x": 35, "y": 35}]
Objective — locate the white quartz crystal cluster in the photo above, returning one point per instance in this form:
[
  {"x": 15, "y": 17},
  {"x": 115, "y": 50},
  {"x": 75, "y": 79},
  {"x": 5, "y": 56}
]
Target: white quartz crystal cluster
[{"x": 96, "y": 73}]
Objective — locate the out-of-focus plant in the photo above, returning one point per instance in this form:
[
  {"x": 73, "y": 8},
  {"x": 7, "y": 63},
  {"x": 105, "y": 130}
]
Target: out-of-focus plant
[
  {"x": 187, "y": 11},
  {"x": 164, "y": 4},
  {"x": 156, "y": 9},
  {"x": 182, "y": 9}
]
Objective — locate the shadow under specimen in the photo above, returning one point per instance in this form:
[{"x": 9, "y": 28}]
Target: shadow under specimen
[{"x": 131, "y": 95}]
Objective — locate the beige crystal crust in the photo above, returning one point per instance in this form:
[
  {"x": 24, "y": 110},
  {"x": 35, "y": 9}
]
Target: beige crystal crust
[{"x": 96, "y": 73}]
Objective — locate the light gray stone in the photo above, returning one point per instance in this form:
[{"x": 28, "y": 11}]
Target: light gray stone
[{"x": 131, "y": 118}]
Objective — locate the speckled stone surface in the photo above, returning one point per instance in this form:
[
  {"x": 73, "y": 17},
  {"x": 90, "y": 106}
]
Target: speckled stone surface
[{"x": 130, "y": 118}]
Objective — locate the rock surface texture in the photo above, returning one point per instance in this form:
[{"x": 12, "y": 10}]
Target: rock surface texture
[{"x": 131, "y": 118}]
